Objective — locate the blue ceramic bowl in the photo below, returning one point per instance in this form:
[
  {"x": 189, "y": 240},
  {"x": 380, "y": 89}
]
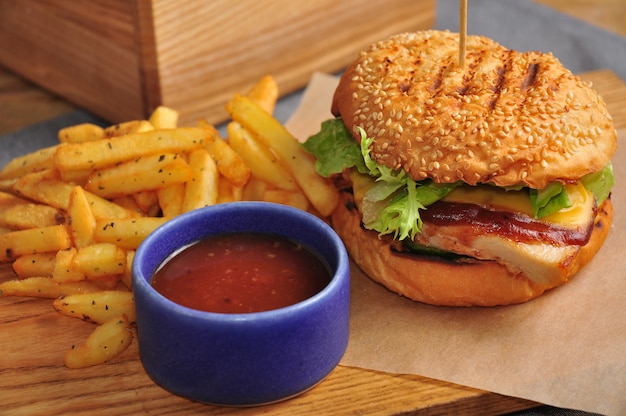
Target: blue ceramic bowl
[{"x": 241, "y": 359}]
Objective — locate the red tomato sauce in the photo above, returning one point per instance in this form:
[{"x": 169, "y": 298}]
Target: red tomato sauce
[{"x": 241, "y": 273}]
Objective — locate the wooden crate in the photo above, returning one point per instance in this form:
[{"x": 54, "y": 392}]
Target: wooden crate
[{"x": 119, "y": 59}]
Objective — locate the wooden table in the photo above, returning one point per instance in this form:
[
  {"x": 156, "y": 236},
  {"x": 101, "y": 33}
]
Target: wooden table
[{"x": 34, "y": 381}]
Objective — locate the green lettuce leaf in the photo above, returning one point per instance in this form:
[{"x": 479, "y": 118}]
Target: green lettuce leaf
[
  {"x": 334, "y": 149},
  {"x": 600, "y": 183},
  {"x": 401, "y": 213},
  {"x": 553, "y": 198},
  {"x": 549, "y": 200},
  {"x": 403, "y": 197}
]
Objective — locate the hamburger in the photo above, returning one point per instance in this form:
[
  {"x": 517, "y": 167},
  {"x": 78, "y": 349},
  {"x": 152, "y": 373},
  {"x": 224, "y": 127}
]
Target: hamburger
[{"x": 480, "y": 185}]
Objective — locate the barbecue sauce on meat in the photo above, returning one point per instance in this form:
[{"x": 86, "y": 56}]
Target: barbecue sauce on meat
[{"x": 514, "y": 226}]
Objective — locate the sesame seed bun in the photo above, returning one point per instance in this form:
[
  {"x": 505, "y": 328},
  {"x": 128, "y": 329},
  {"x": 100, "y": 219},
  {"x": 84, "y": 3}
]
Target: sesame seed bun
[
  {"x": 441, "y": 282},
  {"x": 506, "y": 118}
]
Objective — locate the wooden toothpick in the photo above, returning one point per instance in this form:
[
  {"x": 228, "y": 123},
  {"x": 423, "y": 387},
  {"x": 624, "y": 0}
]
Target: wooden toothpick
[{"x": 462, "y": 33}]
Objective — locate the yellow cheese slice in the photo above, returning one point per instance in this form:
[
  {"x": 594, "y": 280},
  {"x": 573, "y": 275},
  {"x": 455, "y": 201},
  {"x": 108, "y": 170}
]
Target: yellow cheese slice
[{"x": 579, "y": 214}]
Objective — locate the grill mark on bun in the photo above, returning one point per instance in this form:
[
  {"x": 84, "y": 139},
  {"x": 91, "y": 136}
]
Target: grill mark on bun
[
  {"x": 531, "y": 76},
  {"x": 500, "y": 80},
  {"x": 436, "y": 84},
  {"x": 469, "y": 84},
  {"x": 405, "y": 86},
  {"x": 497, "y": 88}
]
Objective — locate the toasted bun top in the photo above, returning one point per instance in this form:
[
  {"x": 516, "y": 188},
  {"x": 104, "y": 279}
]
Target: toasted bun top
[{"x": 505, "y": 118}]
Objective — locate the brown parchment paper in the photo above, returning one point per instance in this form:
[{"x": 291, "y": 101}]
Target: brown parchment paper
[{"x": 567, "y": 348}]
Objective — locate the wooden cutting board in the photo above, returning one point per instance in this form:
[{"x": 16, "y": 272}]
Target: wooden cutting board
[{"x": 33, "y": 380}]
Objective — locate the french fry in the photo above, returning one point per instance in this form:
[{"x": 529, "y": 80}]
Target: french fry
[
  {"x": 201, "y": 190},
  {"x": 75, "y": 177},
  {"x": 171, "y": 199},
  {"x": 103, "y": 208},
  {"x": 128, "y": 127},
  {"x": 127, "y": 277},
  {"x": 47, "y": 188},
  {"x": 18, "y": 213},
  {"x": 126, "y": 233},
  {"x": 164, "y": 118},
  {"x": 100, "y": 260},
  {"x": 144, "y": 173},
  {"x": 280, "y": 196},
  {"x": 7, "y": 199},
  {"x": 45, "y": 287},
  {"x": 254, "y": 189},
  {"x": 64, "y": 268},
  {"x": 6, "y": 185},
  {"x": 262, "y": 162},
  {"x": 38, "y": 264},
  {"x": 84, "y": 132},
  {"x": 319, "y": 190},
  {"x": 228, "y": 162},
  {"x": 97, "y": 307},
  {"x": 264, "y": 93},
  {"x": 80, "y": 217},
  {"x": 32, "y": 162},
  {"x": 148, "y": 202},
  {"x": 107, "y": 152},
  {"x": 104, "y": 343},
  {"x": 33, "y": 240},
  {"x": 30, "y": 216},
  {"x": 227, "y": 192},
  {"x": 128, "y": 202}
]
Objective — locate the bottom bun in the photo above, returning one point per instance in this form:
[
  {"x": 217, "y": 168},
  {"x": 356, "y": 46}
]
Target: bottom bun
[{"x": 443, "y": 282}]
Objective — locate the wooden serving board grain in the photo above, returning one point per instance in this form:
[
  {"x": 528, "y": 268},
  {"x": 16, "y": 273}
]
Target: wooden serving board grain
[{"x": 33, "y": 380}]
